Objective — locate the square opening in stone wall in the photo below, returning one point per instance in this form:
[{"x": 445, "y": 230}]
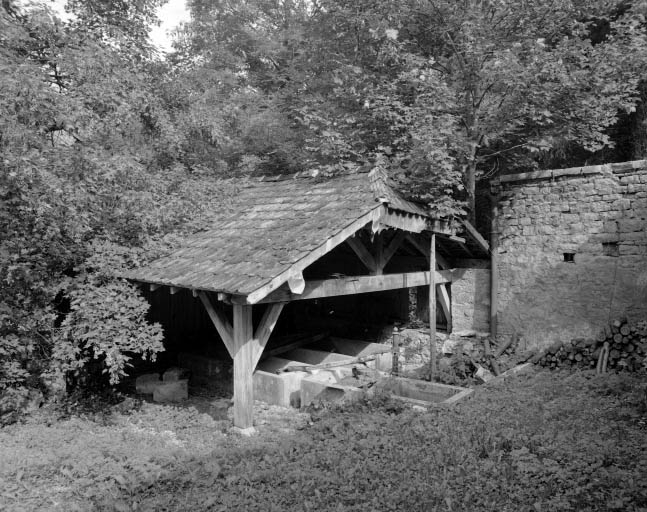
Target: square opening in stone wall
[
  {"x": 569, "y": 257},
  {"x": 610, "y": 249}
]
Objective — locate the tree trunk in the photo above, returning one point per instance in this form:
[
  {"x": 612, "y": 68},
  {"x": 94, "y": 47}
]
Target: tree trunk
[{"x": 470, "y": 188}]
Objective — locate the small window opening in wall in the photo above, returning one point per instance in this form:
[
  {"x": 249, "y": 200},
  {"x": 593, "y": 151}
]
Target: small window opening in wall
[
  {"x": 569, "y": 257},
  {"x": 610, "y": 248}
]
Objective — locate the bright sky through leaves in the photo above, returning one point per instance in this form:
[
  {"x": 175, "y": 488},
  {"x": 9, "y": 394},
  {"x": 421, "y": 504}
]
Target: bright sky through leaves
[{"x": 171, "y": 14}]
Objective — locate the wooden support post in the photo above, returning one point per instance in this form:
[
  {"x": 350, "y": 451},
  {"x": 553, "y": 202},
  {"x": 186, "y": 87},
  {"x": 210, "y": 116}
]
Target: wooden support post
[
  {"x": 432, "y": 308},
  {"x": 243, "y": 367},
  {"x": 494, "y": 275}
]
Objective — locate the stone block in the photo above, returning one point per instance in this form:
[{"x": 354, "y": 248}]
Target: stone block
[
  {"x": 622, "y": 204},
  {"x": 171, "y": 391},
  {"x": 145, "y": 384},
  {"x": 630, "y": 225},
  {"x": 176, "y": 373}
]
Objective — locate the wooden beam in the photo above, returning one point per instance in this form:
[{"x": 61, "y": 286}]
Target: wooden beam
[
  {"x": 471, "y": 230},
  {"x": 432, "y": 308},
  {"x": 356, "y": 284},
  {"x": 243, "y": 367},
  {"x": 194, "y": 292},
  {"x": 220, "y": 321},
  {"x": 362, "y": 253},
  {"x": 154, "y": 287},
  {"x": 174, "y": 289},
  {"x": 418, "y": 245},
  {"x": 393, "y": 246},
  {"x": 264, "y": 330},
  {"x": 296, "y": 283},
  {"x": 316, "y": 254},
  {"x": 441, "y": 262},
  {"x": 379, "y": 253}
]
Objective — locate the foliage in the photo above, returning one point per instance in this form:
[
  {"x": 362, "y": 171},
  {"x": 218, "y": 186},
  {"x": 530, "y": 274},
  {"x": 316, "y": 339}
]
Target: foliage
[
  {"x": 106, "y": 321},
  {"x": 91, "y": 183},
  {"x": 544, "y": 441}
]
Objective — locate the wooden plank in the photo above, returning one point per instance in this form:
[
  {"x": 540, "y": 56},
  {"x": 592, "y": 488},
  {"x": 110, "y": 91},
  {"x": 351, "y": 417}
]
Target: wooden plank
[
  {"x": 471, "y": 230},
  {"x": 220, "y": 321},
  {"x": 264, "y": 330},
  {"x": 357, "y": 284},
  {"x": 329, "y": 364},
  {"x": 243, "y": 367},
  {"x": 362, "y": 253},
  {"x": 391, "y": 249},
  {"x": 432, "y": 308},
  {"x": 443, "y": 297},
  {"x": 407, "y": 222},
  {"x": 312, "y": 256}
]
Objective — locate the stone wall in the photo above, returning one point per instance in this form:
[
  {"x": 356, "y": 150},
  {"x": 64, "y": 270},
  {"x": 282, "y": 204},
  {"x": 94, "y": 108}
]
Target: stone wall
[
  {"x": 572, "y": 250},
  {"x": 470, "y": 300}
]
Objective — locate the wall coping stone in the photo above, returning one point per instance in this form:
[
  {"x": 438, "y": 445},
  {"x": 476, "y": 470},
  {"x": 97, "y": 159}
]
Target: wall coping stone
[{"x": 616, "y": 168}]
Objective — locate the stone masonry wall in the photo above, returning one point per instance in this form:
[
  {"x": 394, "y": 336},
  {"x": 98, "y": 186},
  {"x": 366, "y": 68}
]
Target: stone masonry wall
[
  {"x": 470, "y": 300},
  {"x": 596, "y": 216}
]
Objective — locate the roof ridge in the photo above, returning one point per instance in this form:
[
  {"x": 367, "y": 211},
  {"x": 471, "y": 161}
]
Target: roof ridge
[{"x": 309, "y": 174}]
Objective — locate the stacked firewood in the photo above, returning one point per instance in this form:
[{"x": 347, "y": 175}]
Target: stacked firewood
[{"x": 620, "y": 346}]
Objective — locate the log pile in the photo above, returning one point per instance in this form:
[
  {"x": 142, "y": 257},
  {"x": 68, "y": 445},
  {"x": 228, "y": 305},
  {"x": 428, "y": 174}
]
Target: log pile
[{"x": 620, "y": 346}]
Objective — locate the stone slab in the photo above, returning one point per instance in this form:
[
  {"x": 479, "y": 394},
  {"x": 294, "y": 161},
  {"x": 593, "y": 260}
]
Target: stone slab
[
  {"x": 176, "y": 373},
  {"x": 278, "y": 389},
  {"x": 310, "y": 356},
  {"x": 358, "y": 348},
  {"x": 324, "y": 387},
  {"x": 171, "y": 391},
  {"x": 145, "y": 384}
]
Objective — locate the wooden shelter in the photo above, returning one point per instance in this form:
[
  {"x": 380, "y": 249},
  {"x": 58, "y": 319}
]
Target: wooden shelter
[{"x": 285, "y": 239}]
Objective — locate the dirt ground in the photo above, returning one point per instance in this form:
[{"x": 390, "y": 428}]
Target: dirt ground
[{"x": 539, "y": 441}]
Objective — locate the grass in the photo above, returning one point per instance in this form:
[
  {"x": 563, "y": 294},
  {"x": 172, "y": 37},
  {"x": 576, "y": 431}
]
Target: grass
[{"x": 541, "y": 441}]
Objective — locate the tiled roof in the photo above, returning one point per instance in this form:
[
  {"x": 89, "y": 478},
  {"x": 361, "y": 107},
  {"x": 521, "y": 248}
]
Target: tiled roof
[{"x": 273, "y": 224}]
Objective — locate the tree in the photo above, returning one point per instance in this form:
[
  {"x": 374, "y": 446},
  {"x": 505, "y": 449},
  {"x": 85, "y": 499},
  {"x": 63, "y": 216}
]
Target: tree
[
  {"x": 91, "y": 180},
  {"x": 504, "y": 81}
]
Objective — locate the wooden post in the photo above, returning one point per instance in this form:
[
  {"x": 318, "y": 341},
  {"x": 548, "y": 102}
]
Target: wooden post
[
  {"x": 494, "y": 274},
  {"x": 432, "y": 308},
  {"x": 243, "y": 367}
]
